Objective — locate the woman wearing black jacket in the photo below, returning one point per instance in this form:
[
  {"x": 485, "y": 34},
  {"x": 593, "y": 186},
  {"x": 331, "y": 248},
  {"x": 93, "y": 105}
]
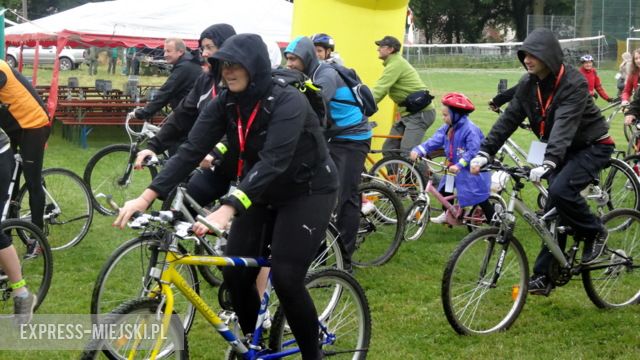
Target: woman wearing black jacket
[
  {"x": 207, "y": 185},
  {"x": 286, "y": 185}
]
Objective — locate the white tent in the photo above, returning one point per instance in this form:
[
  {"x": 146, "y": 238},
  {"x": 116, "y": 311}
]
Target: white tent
[{"x": 146, "y": 23}]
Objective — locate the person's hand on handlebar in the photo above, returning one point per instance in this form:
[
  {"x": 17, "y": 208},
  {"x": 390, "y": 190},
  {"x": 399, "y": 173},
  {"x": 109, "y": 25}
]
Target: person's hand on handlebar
[
  {"x": 141, "y": 156},
  {"x": 493, "y": 107},
  {"x": 207, "y": 162},
  {"x": 453, "y": 169},
  {"x": 477, "y": 163},
  {"x": 139, "y": 204},
  {"x": 413, "y": 155},
  {"x": 219, "y": 218},
  {"x": 629, "y": 119},
  {"x": 624, "y": 103}
]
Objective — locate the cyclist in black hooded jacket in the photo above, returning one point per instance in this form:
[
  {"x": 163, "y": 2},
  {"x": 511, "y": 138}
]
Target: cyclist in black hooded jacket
[
  {"x": 555, "y": 98},
  {"x": 207, "y": 185},
  {"x": 286, "y": 185}
]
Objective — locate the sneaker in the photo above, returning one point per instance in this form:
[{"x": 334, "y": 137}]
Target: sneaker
[
  {"x": 367, "y": 207},
  {"x": 33, "y": 250},
  {"x": 440, "y": 219},
  {"x": 594, "y": 248},
  {"x": 23, "y": 308},
  {"x": 539, "y": 284}
]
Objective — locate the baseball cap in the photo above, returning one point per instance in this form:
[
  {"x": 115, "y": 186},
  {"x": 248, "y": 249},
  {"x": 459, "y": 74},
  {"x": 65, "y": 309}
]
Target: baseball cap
[{"x": 389, "y": 41}]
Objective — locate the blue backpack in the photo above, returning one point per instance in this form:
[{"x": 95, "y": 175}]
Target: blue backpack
[{"x": 361, "y": 92}]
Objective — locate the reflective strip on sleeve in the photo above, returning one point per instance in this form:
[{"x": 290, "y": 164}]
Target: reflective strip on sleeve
[
  {"x": 463, "y": 162},
  {"x": 244, "y": 199},
  {"x": 222, "y": 148}
]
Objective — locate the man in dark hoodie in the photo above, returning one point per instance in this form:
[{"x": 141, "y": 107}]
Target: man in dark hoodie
[
  {"x": 285, "y": 190},
  {"x": 349, "y": 136},
  {"x": 207, "y": 185},
  {"x": 555, "y": 98},
  {"x": 185, "y": 71}
]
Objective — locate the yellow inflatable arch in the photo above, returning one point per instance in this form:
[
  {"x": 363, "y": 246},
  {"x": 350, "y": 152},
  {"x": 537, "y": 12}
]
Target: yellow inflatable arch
[{"x": 356, "y": 25}]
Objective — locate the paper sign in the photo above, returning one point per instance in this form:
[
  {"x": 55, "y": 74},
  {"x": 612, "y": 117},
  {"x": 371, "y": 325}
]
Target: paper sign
[
  {"x": 448, "y": 184},
  {"x": 536, "y": 152}
]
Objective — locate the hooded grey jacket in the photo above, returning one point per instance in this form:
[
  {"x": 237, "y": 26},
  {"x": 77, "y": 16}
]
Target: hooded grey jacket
[{"x": 573, "y": 120}]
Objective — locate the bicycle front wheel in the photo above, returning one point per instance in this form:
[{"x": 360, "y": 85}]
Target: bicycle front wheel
[
  {"x": 477, "y": 299},
  {"x": 141, "y": 315},
  {"x": 36, "y": 262},
  {"x": 330, "y": 253},
  {"x": 125, "y": 276},
  {"x": 621, "y": 186},
  {"x": 110, "y": 172},
  {"x": 343, "y": 316},
  {"x": 615, "y": 281},
  {"x": 417, "y": 220},
  {"x": 381, "y": 229},
  {"x": 68, "y": 209}
]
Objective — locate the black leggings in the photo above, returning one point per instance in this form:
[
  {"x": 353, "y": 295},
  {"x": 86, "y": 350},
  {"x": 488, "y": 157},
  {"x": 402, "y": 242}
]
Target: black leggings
[
  {"x": 6, "y": 169},
  {"x": 29, "y": 143},
  {"x": 294, "y": 229}
]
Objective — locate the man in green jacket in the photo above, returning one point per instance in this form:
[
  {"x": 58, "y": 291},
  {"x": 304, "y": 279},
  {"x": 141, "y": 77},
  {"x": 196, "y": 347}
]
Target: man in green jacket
[{"x": 399, "y": 79}]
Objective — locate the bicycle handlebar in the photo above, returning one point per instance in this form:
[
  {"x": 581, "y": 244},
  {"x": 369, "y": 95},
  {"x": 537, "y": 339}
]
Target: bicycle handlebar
[{"x": 210, "y": 226}]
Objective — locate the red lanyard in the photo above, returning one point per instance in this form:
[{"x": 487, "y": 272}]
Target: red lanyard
[
  {"x": 213, "y": 91},
  {"x": 545, "y": 107},
  {"x": 242, "y": 135}
]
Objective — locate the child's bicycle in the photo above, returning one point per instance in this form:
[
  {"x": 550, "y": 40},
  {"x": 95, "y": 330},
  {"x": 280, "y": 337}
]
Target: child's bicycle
[
  {"x": 419, "y": 212},
  {"x": 110, "y": 170},
  {"x": 485, "y": 281},
  {"x": 343, "y": 312}
]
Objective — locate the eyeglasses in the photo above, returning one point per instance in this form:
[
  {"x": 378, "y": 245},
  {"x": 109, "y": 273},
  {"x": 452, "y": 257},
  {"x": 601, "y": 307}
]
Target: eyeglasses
[
  {"x": 208, "y": 47},
  {"x": 230, "y": 65}
]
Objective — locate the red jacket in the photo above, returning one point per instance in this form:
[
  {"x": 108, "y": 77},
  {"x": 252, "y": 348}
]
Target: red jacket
[
  {"x": 594, "y": 82},
  {"x": 629, "y": 86}
]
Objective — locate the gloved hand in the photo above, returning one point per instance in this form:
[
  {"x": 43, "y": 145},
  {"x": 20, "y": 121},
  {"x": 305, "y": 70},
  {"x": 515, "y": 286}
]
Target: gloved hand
[
  {"x": 493, "y": 107},
  {"x": 538, "y": 173},
  {"x": 476, "y": 163},
  {"x": 131, "y": 115},
  {"x": 611, "y": 100}
]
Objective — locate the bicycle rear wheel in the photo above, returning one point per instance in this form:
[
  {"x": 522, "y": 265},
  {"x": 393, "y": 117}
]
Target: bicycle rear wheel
[
  {"x": 142, "y": 315},
  {"x": 621, "y": 185},
  {"x": 473, "y": 301},
  {"x": 68, "y": 208},
  {"x": 615, "y": 281},
  {"x": 330, "y": 253},
  {"x": 36, "y": 262},
  {"x": 381, "y": 229},
  {"x": 110, "y": 172},
  {"x": 125, "y": 276},
  {"x": 343, "y": 315}
]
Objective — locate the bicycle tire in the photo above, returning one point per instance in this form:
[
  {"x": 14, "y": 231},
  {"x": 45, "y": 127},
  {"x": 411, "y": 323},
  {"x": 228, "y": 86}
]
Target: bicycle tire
[
  {"x": 417, "y": 220},
  {"x": 615, "y": 282},
  {"x": 211, "y": 274},
  {"x": 381, "y": 230},
  {"x": 498, "y": 204},
  {"x": 146, "y": 310},
  {"x": 131, "y": 261},
  {"x": 469, "y": 298},
  {"x": 621, "y": 184},
  {"x": 402, "y": 173},
  {"x": 36, "y": 271},
  {"x": 106, "y": 171},
  {"x": 343, "y": 310},
  {"x": 68, "y": 208}
]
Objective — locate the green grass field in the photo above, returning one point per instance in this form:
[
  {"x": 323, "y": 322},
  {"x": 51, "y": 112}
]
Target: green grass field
[{"x": 404, "y": 295}]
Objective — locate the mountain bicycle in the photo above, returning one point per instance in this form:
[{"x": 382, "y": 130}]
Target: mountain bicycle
[
  {"x": 110, "y": 170},
  {"x": 36, "y": 262},
  {"x": 485, "y": 280},
  {"x": 68, "y": 211},
  {"x": 134, "y": 258},
  {"x": 343, "y": 313}
]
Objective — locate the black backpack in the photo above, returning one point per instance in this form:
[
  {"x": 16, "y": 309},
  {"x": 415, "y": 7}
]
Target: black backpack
[
  {"x": 361, "y": 92},
  {"x": 313, "y": 92}
]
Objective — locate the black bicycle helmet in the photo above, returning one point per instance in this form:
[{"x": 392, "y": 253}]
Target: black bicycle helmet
[{"x": 323, "y": 40}]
